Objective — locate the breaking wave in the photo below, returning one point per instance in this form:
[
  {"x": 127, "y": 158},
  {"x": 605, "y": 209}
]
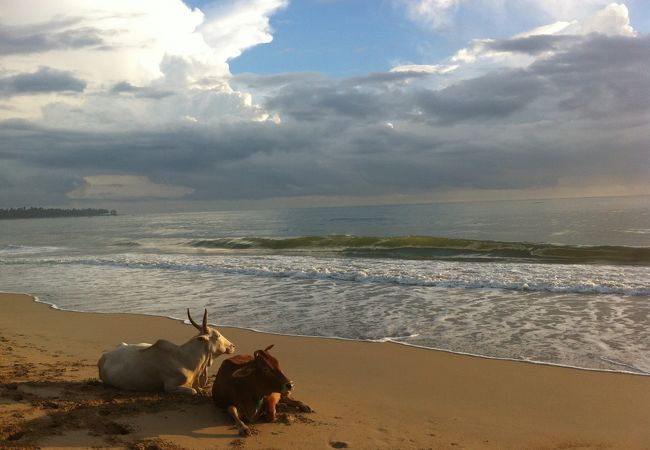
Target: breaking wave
[
  {"x": 512, "y": 276},
  {"x": 430, "y": 247}
]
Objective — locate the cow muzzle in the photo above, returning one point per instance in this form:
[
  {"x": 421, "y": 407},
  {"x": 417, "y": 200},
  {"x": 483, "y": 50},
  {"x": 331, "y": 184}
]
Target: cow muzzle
[{"x": 288, "y": 387}]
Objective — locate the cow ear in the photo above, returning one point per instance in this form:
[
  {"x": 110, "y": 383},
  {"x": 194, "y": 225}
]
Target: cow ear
[
  {"x": 203, "y": 337},
  {"x": 243, "y": 372}
]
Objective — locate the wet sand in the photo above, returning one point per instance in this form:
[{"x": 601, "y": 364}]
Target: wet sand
[{"x": 366, "y": 395}]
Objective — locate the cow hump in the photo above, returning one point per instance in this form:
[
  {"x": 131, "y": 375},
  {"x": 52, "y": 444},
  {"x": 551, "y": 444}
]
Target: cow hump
[{"x": 240, "y": 359}]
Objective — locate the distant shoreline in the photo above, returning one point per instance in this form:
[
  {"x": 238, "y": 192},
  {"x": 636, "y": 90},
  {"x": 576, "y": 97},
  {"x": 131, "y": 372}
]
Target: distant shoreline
[{"x": 43, "y": 213}]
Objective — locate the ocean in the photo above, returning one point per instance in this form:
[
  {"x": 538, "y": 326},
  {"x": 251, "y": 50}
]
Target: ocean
[{"x": 563, "y": 282}]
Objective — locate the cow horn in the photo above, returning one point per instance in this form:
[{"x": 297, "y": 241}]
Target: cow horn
[
  {"x": 205, "y": 322},
  {"x": 263, "y": 352},
  {"x": 196, "y": 325}
]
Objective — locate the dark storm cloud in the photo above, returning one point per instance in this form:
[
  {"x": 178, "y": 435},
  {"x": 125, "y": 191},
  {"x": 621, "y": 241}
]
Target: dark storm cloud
[
  {"x": 600, "y": 53},
  {"x": 208, "y": 157},
  {"x": 490, "y": 97},
  {"x": 601, "y": 76},
  {"x": 308, "y": 97},
  {"x": 532, "y": 45},
  {"x": 310, "y": 101},
  {"x": 386, "y": 77},
  {"x": 54, "y": 35},
  {"x": 44, "y": 80},
  {"x": 181, "y": 149}
]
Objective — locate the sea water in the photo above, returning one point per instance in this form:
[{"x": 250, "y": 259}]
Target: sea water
[{"x": 554, "y": 281}]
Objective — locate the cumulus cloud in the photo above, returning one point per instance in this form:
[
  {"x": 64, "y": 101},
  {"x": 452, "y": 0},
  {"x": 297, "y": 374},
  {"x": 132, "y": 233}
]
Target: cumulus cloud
[
  {"x": 613, "y": 20},
  {"x": 135, "y": 36},
  {"x": 147, "y": 48},
  {"x": 232, "y": 26}
]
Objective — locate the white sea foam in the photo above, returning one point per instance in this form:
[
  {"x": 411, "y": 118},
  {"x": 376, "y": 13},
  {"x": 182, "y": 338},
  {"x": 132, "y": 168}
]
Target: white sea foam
[
  {"x": 13, "y": 249},
  {"x": 637, "y": 231},
  {"x": 573, "y": 315},
  {"x": 555, "y": 278}
]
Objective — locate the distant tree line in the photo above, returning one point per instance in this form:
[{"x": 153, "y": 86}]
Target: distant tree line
[{"x": 34, "y": 213}]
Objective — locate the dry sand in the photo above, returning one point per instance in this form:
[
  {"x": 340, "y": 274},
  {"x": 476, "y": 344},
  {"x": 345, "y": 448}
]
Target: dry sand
[{"x": 366, "y": 395}]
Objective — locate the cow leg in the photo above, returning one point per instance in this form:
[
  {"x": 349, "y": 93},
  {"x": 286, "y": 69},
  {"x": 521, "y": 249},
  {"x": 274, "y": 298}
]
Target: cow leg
[
  {"x": 241, "y": 426},
  {"x": 176, "y": 386},
  {"x": 180, "y": 390},
  {"x": 295, "y": 404},
  {"x": 201, "y": 381},
  {"x": 270, "y": 401},
  {"x": 203, "y": 378}
]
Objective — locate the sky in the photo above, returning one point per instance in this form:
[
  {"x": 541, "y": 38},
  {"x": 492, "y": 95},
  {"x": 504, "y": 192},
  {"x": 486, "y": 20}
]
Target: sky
[{"x": 165, "y": 105}]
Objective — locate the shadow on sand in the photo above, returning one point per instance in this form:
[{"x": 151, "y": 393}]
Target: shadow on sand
[{"x": 34, "y": 410}]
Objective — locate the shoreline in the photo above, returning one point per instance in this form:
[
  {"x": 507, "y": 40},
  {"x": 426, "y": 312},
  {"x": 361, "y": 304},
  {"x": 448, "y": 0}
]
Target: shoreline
[
  {"x": 638, "y": 372},
  {"x": 366, "y": 394}
]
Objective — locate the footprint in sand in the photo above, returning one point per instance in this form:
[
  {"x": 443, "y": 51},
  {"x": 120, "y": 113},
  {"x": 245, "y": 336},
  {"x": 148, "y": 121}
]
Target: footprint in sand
[{"x": 116, "y": 428}]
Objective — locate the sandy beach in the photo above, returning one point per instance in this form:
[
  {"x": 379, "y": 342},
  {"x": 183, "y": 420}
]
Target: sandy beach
[{"x": 366, "y": 395}]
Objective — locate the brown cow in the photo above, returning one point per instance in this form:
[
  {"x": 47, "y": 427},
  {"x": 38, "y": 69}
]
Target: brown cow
[{"x": 250, "y": 386}]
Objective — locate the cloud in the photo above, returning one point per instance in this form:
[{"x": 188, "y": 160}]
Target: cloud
[
  {"x": 565, "y": 9},
  {"x": 443, "y": 15},
  {"x": 129, "y": 107},
  {"x": 157, "y": 45},
  {"x": 530, "y": 45},
  {"x": 555, "y": 106},
  {"x": 578, "y": 116},
  {"x": 150, "y": 62},
  {"x": 434, "y": 14},
  {"x": 58, "y": 34},
  {"x": 152, "y": 92},
  {"x": 525, "y": 48},
  {"x": 232, "y": 26},
  {"x": 425, "y": 68},
  {"x": 123, "y": 187},
  {"x": 44, "y": 80},
  {"x": 134, "y": 35},
  {"x": 490, "y": 97},
  {"x": 613, "y": 20}
]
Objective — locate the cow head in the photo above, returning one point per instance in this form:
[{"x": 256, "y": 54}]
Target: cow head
[
  {"x": 266, "y": 370},
  {"x": 217, "y": 343}
]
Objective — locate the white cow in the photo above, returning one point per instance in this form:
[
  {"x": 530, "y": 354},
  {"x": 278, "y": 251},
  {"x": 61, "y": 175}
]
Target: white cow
[{"x": 164, "y": 365}]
